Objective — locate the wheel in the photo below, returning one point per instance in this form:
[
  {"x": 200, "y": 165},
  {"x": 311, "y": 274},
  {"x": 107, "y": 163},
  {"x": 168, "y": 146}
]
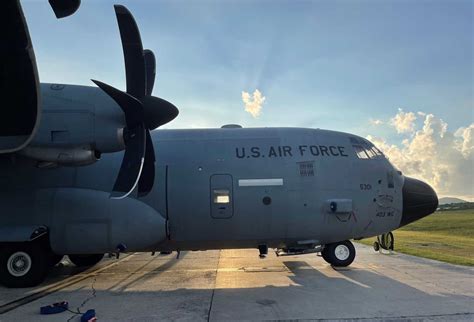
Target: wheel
[
  {"x": 376, "y": 246},
  {"x": 23, "y": 264},
  {"x": 386, "y": 241},
  {"x": 86, "y": 260},
  {"x": 339, "y": 254},
  {"x": 390, "y": 241}
]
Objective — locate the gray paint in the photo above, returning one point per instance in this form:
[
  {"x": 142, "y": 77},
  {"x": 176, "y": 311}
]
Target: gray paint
[{"x": 179, "y": 212}]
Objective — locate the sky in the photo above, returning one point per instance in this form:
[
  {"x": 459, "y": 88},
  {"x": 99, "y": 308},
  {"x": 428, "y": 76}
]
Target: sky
[{"x": 397, "y": 72}]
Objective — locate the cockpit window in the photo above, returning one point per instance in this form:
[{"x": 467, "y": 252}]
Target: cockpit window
[
  {"x": 364, "y": 149},
  {"x": 372, "y": 153},
  {"x": 377, "y": 151},
  {"x": 360, "y": 151}
]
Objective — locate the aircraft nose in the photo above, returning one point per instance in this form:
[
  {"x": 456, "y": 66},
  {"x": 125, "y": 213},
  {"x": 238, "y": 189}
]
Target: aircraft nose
[{"x": 419, "y": 200}]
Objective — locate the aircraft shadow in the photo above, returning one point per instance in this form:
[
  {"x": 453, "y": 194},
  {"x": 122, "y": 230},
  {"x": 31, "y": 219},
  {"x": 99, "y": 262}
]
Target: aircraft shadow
[{"x": 297, "y": 291}]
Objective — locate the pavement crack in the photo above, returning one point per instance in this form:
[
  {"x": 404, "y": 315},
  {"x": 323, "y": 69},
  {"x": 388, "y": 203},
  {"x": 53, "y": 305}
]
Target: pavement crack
[
  {"x": 81, "y": 306},
  {"x": 214, "y": 287}
]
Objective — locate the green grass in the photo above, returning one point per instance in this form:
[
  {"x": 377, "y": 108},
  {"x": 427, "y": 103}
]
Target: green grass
[{"x": 447, "y": 236}]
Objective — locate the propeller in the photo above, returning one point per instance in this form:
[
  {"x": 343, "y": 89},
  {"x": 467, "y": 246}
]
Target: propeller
[
  {"x": 64, "y": 8},
  {"x": 142, "y": 111}
]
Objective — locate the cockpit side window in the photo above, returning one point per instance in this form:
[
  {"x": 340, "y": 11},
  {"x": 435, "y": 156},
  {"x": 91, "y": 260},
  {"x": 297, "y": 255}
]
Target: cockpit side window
[
  {"x": 372, "y": 153},
  {"x": 360, "y": 151},
  {"x": 364, "y": 149}
]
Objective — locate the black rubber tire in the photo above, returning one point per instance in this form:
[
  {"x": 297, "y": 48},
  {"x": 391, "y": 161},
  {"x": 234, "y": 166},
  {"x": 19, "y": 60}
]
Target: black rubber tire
[
  {"x": 391, "y": 239},
  {"x": 86, "y": 260},
  {"x": 386, "y": 241},
  {"x": 376, "y": 246},
  {"x": 329, "y": 254},
  {"x": 40, "y": 264},
  {"x": 324, "y": 255}
]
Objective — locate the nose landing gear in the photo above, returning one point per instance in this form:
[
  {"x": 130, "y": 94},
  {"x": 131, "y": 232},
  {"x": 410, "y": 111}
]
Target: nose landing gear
[
  {"x": 339, "y": 254},
  {"x": 384, "y": 241}
]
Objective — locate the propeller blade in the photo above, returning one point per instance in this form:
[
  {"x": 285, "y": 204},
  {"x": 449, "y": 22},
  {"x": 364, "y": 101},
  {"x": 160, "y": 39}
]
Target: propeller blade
[
  {"x": 135, "y": 137},
  {"x": 132, "y": 162},
  {"x": 19, "y": 83},
  {"x": 158, "y": 111},
  {"x": 64, "y": 8},
  {"x": 131, "y": 107},
  {"x": 132, "y": 52},
  {"x": 150, "y": 70},
  {"x": 142, "y": 111},
  {"x": 147, "y": 178}
]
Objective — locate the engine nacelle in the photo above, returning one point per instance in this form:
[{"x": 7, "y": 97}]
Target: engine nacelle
[{"x": 77, "y": 124}]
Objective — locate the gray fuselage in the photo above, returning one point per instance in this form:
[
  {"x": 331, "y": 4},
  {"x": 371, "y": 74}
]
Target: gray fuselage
[{"x": 276, "y": 187}]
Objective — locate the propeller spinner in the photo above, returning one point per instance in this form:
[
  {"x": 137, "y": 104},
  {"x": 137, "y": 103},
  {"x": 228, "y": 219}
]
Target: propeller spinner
[{"x": 143, "y": 112}]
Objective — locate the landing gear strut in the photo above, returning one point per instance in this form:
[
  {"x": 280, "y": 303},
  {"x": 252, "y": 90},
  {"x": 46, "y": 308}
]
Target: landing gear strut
[
  {"x": 339, "y": 254},
  {"x": 263, "y": 250}
]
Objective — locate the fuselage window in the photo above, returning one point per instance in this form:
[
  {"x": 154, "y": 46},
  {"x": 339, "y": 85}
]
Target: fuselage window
[{"x": 221, "y": 196}]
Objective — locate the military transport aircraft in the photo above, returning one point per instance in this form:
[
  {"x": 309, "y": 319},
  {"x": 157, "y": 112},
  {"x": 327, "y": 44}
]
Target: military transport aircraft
[{"x": 83, "y": 174}]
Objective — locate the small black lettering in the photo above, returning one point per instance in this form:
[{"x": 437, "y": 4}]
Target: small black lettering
[
  {"x": 287, "y": 150},
  {"x": 272, "y": 152},
  {"x": 382, "y": 214},
  {"x": 255, "y": 152},
  {"x": 240, "y": 156},
  {"x": 341, "y": 151},
  {"x": 331, "y": 149},
  {"x": 302, "y": 149},
  {"x": 314, "y": 150},
  {"x": 324, "y": 149}
]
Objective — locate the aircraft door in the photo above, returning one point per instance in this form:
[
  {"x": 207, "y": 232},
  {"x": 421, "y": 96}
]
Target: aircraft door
[{"x": 222, "y": 201}]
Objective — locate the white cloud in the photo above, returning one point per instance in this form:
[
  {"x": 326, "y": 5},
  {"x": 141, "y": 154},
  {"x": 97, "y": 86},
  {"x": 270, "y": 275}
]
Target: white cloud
[
  {"x": 466, "y": 144},
  {"x": 404, "y": 122},
  {"x": 375, "y": 122},
  {"x": 253, "y": 105},
  {"x": 442, "y": 158}
]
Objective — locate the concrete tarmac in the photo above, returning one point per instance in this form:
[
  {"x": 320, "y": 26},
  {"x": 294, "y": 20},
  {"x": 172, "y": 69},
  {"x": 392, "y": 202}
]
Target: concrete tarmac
[{"x": 238, "y": 285}]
